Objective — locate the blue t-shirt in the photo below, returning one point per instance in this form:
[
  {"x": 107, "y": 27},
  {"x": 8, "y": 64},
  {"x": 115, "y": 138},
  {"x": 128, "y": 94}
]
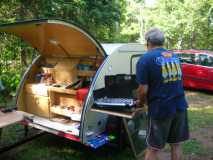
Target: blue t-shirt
[{"x": 161, "y": 71}]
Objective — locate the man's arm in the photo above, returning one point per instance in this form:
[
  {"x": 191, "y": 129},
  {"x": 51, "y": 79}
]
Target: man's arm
[
  {"x": 142, "y": 95},
  {"x": 142, "y": 70}
]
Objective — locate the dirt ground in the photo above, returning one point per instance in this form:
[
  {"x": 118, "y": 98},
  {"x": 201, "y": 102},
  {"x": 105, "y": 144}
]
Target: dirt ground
[{"x": 199, "y": 99}]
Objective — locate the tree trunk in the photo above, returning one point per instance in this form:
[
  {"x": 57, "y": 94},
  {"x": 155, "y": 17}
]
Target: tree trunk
[
  {"x": 192, "y": 40},
  {"x": 22, "y": 14}
]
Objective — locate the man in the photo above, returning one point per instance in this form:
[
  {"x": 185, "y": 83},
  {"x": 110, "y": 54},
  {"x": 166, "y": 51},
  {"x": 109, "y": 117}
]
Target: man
[{"x": 160, "y": 87}]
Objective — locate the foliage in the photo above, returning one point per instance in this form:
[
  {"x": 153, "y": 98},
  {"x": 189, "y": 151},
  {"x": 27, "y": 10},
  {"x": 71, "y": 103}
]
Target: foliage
[
  {"x": 187, "y": 24},
  {"x": 130, "y": 28}
]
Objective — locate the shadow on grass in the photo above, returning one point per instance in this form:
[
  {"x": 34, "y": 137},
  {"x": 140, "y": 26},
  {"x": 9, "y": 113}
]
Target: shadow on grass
[{"x": 50, "y": 147}]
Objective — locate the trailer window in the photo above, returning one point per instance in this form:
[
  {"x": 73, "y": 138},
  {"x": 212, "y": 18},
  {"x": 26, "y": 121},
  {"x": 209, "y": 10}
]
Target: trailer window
[{"x": 134, "y": 60}]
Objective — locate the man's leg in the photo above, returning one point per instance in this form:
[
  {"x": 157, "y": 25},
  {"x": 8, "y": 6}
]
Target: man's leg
[
  {"x": 176, "y": 151},
  {"x": 157, "y": 133},
  {"x": 151, "y": 154},
  {"x": 179, "y": 132}
]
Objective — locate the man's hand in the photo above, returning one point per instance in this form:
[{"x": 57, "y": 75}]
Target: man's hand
[
  {"x": 142, "y": 94},
  {"x": 139, "y": 104}
]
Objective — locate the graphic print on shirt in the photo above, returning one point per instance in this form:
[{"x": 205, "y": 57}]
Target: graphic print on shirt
[{"x": 170, "y": 67}]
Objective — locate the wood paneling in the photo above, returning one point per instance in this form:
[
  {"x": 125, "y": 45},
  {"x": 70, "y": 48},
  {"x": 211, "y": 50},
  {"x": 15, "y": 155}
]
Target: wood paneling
[{"x": 38, "y": 105}]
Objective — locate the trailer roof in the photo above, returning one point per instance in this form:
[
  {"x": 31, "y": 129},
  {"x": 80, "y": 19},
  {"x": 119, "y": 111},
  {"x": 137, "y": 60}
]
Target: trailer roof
[{"x": 122, "y": 47}]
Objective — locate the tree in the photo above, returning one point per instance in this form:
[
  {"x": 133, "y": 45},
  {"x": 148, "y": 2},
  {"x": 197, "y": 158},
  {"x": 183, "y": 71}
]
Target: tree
[{"x": 185, "y": 22}]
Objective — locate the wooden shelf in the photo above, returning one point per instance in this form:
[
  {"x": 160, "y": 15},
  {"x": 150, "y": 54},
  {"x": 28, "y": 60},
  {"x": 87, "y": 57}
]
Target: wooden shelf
[
  {"x": 86, "y": 73},
  {"x": 62, "y": 90},
  {"x": 60, "y": 111},
  {"x": 128, "y": 115},
  {"x": 37, "y": 89},
  {"x": 42, "y": 89},
  {"x": 63, "y": 111}
]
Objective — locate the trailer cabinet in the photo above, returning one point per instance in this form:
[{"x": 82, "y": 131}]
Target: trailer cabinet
[{"x": 56, "y": 92}]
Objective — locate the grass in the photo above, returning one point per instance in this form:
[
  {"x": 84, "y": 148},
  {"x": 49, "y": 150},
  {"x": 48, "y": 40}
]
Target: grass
[
  {"x": 194, "y": 147},
  {"x": 200, "y": 117},
  {"x": 50, "y": 147}
]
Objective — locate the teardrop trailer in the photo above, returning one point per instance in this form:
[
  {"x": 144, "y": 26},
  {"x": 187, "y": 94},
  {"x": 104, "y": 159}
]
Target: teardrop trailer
[{"x": 76, "y": 85}]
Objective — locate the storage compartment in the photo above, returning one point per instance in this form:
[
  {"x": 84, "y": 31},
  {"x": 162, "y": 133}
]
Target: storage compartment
[
  {"x": 60, "y": 124},
  {"x": 57, "y": 88},
  {"x": 65, "y": 105},
  {"x": 38, "y": 105}
]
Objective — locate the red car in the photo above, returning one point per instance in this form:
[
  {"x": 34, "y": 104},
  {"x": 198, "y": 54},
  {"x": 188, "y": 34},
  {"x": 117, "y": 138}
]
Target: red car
[{"x": 197, "y": 66}]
